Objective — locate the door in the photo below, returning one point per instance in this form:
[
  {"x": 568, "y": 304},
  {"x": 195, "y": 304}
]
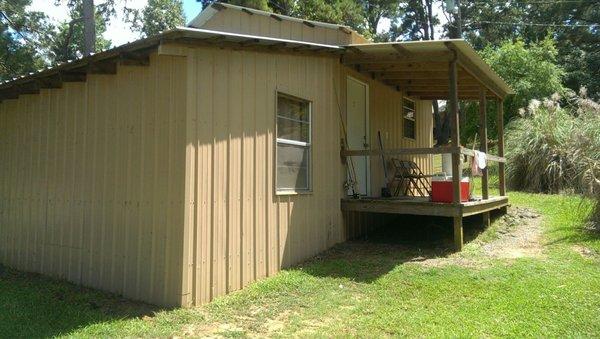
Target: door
[{"x": 357, "y": 94}]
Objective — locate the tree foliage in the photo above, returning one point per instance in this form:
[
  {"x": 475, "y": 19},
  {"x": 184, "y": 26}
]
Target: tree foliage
[
  {"x": 573, "y": 25},
  {"x": 68, "y": 43},
  {"x": 530, "y": 69},
  {"x": 158, "y": 16},
  {"x": 415, "y": 20},
  {"x": 22, "y": 33},
  {"x": 106, "y": 10},
  {"x": 363, "y": 16},
  {"x": 256, "y": 4},
  {"x": 343, "y": 12}
]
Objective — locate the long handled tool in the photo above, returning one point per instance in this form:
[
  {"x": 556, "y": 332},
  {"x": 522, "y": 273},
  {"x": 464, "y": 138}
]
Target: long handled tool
[
  {"x": 352, "y": 180},
  {"x": 385, "y": 191}
]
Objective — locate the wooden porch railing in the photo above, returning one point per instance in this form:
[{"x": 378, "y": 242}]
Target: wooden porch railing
[{"x": 418, "y": 151}]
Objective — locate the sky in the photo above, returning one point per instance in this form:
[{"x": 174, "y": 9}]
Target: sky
[{"x": 119, "y": 32}]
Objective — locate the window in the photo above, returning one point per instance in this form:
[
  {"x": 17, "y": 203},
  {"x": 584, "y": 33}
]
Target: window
[
  {"x": 293, "y": 144},
  {"x": 410, "y": 121}
]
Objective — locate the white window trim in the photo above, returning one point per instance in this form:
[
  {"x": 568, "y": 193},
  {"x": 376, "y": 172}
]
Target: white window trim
[
  {"x": 293, "y": 142},
  {"x": 294, "y": 191}
]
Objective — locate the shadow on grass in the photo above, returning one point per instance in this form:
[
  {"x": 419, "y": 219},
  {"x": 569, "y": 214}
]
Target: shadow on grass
[
  {"x": 569, "y": 235},
  {"x": 35, "y": 306},
  {"x": 404, "y": 239},
  {"x": 581, "y": 229}
]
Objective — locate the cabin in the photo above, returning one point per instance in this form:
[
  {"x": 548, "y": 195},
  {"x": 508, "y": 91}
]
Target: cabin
[{"x": 181, "y": 167}]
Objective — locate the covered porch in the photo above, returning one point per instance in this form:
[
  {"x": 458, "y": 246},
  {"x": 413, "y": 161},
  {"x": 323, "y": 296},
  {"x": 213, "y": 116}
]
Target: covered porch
[{"x": 435, "y": 70}]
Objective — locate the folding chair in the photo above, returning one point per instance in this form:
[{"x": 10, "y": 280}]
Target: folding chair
[{"x": 407, "y": 174}]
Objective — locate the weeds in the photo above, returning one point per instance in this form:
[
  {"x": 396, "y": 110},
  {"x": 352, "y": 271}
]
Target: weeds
[{"x": 553, "y": 149}]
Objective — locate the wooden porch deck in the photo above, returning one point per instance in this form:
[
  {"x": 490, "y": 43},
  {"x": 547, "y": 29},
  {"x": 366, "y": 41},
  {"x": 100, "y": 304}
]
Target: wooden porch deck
[{"x": 422, "y": 206}]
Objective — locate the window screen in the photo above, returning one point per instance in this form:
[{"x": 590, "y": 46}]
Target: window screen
[
  {"x": 293, "y": 144},
  {"x": 410, "y": 121}
]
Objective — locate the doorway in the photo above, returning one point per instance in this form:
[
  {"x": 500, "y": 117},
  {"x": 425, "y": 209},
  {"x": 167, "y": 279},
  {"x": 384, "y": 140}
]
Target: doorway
[{"x": 357, "y": 108}]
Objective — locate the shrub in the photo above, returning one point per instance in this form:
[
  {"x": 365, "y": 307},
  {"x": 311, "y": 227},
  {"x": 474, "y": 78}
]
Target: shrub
[
  {"x": 552, "y": 149},
  {"x": 532, "y": 72}
]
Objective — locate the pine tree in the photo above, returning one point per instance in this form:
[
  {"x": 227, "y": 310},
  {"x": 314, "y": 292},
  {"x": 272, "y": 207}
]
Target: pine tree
[
  {"x": 24, "y": 36},
  {"x": 158, "y": 16}
]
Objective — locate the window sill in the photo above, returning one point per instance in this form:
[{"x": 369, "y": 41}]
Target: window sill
[{"x": 292, "y": 192}]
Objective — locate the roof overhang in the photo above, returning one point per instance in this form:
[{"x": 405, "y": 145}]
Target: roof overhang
[
  {"x": 137, "y": 53},
  {"x": 421, "y": 68}
]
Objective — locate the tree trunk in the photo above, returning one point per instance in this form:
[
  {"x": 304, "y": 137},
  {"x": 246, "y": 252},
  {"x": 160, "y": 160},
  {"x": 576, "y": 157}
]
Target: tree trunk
[
  {"x": 443, "y": 133},
  {"x": 89, "y": 27},
  {"x": 462, "y": 114},
  {"x": 441, "y": 127}
]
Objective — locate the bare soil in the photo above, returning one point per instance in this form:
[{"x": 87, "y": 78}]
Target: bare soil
[
  {"x": 586, "y": 252},
  {"x": 518, "y": 235}
]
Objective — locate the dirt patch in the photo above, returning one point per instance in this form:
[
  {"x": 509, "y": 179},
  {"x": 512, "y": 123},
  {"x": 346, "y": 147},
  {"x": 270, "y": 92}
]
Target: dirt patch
[
  {"x": 586, "y": 252},
  {"x": 237, "y": 325},
  {"x": 277, "y": 324},
  {"x": 518, "y": 234}
]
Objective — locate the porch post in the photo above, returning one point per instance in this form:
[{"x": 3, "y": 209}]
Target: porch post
[
  {"x": 456, "y": 166},
  {"x": 483, "y": 147},
  {"x": 501, "y": 166}
]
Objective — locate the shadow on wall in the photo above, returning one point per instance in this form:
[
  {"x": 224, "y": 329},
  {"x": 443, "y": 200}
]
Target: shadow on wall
[
  {"x": 401, "y": 239},
  {"x": 34, "y": 306}
]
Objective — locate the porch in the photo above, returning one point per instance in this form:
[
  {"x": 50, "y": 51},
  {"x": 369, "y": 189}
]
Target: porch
[
  {"x": 423, "y": 206},
  {"x": 435, "y": 70}
]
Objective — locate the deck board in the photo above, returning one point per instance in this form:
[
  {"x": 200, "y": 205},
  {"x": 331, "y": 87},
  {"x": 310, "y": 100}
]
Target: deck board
[{"x": 421, "y": 206}]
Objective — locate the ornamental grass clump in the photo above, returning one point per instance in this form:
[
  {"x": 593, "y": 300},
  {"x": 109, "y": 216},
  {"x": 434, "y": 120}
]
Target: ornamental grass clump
[{"x": 554, "y": 148}]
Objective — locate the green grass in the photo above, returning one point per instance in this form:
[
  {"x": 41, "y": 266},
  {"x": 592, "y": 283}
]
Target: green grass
[{"x": 358, "y": 289}]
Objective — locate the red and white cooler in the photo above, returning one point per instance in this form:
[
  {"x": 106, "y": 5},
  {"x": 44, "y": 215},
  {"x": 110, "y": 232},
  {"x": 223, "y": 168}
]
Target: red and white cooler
[{"x": 441, "y": 189}]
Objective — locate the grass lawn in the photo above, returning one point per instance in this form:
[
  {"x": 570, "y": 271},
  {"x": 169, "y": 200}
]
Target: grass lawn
[{"x": 374, "y": 288}]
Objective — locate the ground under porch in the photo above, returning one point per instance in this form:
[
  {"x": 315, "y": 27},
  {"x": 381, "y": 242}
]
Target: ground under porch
[{"x": 422, "y": 206}]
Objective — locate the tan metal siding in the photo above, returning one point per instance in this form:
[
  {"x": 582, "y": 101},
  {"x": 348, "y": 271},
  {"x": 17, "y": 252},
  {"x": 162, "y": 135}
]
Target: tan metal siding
[
  {"x": 241, "y": 230},
  {"x": 92, "y": 181}
]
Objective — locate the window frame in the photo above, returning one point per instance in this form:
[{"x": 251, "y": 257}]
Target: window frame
[
  {"x": 283, "y": 141},
  {"x": 413, "y": 119}
]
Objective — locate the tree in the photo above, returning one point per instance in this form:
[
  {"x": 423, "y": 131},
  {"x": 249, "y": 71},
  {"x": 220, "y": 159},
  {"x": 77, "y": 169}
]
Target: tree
[
  {"x": 69, "y": 41},
  {"x": 530, "y": 69},
  {"x": 375, "y": 10},
  {"x": 416, "y": 20},
  {"x": 343, "y": 12},
  {"x": 158, "y": 16},
  {"x": 89, "y": 27},
  {"x": 256, "y": 4},
  {"x": 573, "y": 25},
  {"x": 24, "y": 36}
]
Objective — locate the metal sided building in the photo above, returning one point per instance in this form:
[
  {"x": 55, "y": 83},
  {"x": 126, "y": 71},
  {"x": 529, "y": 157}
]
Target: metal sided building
[{"x": 181, "y": 167}]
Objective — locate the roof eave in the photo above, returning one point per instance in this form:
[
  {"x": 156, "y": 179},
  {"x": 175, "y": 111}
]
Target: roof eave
[
  {"x": 440, "y": 50},
  {"x": 179, "y": 34}
]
